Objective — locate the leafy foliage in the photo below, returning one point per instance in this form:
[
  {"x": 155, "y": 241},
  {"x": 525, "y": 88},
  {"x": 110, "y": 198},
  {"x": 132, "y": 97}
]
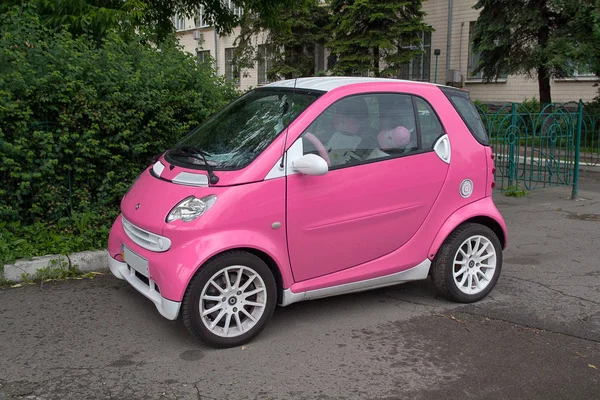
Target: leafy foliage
[
  {"x": 366, "y": 32},
  {"x": 291, "y": 39},
  {"x": 85, "y": 231},
  {"x": 98, "y": 18},
  {"x": 78, "y": 122},
  {"x": 542, "y": 38},
  {"x": 593, "y": 107}
]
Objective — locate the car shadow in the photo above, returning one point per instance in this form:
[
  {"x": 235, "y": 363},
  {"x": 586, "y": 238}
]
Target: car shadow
[{"x": 287, "y": 320}]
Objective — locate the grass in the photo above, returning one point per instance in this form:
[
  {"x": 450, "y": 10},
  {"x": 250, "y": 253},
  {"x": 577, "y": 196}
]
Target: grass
[
  {"x": 514, "y": 191},
  {"x": 57, "y": 269},
  {"x": 3, "y": 281}
]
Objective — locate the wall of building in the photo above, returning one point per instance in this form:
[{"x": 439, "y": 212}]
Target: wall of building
[
  {"x": 209, "y": 41},
  {"x": 517, "y": 88},
  {"x": 514, "y": 88}
]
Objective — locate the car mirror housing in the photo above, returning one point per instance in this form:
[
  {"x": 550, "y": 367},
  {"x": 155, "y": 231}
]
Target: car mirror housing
[{"x": 310, "y": 164}]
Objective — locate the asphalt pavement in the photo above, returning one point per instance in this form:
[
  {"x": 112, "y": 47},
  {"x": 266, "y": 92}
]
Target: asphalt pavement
[{"x": 537, "y": 336}]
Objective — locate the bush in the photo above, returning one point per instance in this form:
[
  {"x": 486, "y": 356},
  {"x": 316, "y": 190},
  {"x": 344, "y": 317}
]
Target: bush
[
  {"x": 531, "y": 106},
  {"x": 78, "y": 121},
  {"x": 593, "y": 107},
  {"x": 83, "y": 231}
]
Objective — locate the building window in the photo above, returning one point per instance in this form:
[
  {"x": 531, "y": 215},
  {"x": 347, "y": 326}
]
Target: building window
[
  {"x": 319, "y": 59},
  {"x": 232, "y": 73},
  {"x": 203, "y": 56},
  {"x": 580, "y": 71},
  {"x": 265, "y": 62},
  {"x": 179, "y": 22},
  {"x": 365, "y": 73},
  {"x": 474, "y": 57},
  {"x": 419, "y": 67},
  {"x": 201, "y": 21},
  {"x": 332, "y": 59},
  {"x": 583, "y": 74},
  {"x": 234, "y": 9}
]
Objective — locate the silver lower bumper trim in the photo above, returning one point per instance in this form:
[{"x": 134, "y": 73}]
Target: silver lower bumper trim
[{"x": 167, "y": 308}]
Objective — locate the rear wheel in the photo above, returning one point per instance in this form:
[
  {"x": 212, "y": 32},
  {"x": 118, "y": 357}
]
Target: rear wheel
[
  {"x": 230, "y": 299},
  {"x": 467, "y": 266}
]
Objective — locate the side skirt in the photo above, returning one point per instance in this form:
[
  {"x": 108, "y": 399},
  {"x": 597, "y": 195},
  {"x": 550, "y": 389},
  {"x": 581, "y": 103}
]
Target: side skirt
[{"x": 419, "y": 272}]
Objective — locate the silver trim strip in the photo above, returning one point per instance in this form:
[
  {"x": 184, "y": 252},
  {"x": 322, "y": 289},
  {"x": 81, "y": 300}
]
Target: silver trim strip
[
  {"x": 295, "y": 151},
  {"x": 277, "y": 171},
  {"x": 158, "y": 168},
  {"x": 419, "y": 272},
  {"x": 332, "y": 82},
  {"x": 167, "y": 308},
  {"x": 143, "y": 238},
  {"x": 188, "y": 179}
]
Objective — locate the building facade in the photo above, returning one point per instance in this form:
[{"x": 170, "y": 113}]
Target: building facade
[{"x": 448, "y": 57}]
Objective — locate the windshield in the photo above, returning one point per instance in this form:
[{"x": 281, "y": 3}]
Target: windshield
[{"x": 238, "y": 133}]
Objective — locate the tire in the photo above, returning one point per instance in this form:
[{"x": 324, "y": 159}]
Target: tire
[
  {"x": 467, "y": 266},
  {"x": 241, "y": 306}
]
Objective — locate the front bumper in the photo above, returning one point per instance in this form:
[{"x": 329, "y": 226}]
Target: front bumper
[{"x": 167, "y": 308}]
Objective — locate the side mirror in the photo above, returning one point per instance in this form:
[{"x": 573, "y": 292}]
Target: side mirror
[{"x": 310, "y": 164}]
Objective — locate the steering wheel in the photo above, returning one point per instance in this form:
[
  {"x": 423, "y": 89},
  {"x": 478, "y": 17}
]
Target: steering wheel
[{"x": 320, "y": 148}]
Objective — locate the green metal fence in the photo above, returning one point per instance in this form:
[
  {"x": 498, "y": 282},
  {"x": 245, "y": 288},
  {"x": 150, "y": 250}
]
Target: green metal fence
[{"x": 541, "y": 148}]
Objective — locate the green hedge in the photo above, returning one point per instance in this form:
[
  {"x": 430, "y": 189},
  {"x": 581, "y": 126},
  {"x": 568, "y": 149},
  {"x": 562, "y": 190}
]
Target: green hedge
[{"x": 78, "y": 121}]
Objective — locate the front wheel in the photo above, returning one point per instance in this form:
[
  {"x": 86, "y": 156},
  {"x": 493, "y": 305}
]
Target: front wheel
[
  {"x": 467, "y": 266},
  {"x": 230, "y": 299}
]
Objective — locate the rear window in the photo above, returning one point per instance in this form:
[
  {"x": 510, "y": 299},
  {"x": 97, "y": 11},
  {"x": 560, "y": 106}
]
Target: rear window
[{"x": 465, "y": 107}]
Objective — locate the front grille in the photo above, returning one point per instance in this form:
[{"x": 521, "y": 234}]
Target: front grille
[{"x": 143, "y": 238}]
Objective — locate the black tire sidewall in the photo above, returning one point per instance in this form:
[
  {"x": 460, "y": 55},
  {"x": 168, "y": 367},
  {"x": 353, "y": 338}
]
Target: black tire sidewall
[
  {"x": 191, "y": 303},
  {"x": 448, "y": 253}
]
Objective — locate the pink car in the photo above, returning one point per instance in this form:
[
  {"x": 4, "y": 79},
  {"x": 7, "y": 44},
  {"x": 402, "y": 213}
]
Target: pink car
[{"x": 308, "y": 188}]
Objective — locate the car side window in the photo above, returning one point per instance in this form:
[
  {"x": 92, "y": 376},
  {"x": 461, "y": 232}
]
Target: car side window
[
  {"x": 429, "y": 124},
  {"x": 364, "y": 128}
]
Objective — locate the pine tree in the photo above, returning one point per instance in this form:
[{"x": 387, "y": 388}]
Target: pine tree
[
  {"x": 376, "y": 36},
  {"x": 540, "y": 38},
  {"x": 291, "y": 39}
]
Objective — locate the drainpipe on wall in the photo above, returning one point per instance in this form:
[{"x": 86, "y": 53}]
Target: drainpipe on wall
[
  {"x": 460, "y": 43},
  {"x": 216, "y": 49},
  {"x": 448, "y": 38}
]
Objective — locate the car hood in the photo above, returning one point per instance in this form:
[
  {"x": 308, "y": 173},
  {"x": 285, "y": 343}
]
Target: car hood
[
  {"x": 162, "y": 185},
  {"x": 151, "y": 198}
]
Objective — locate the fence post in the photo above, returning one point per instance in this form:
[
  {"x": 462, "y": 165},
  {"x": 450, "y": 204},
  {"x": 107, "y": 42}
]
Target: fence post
[
  {"x": 511, "y": 151},
  {"x": 577, "y": 150}
]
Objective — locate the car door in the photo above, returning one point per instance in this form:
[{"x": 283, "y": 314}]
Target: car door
[{"x": 376, "y": 193}]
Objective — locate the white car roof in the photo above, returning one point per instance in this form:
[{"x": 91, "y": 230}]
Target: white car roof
[{"x": 328, "y": 83}]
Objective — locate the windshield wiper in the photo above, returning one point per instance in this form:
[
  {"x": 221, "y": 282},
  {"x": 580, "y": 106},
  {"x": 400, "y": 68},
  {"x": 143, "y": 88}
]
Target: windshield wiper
[{"x": 193, "y": 152}]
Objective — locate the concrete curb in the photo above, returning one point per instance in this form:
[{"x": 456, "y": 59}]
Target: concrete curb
[{"x": 86, "y": 261}]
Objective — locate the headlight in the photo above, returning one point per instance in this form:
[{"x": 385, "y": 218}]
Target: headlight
[{"x": 191, "y": 208}]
